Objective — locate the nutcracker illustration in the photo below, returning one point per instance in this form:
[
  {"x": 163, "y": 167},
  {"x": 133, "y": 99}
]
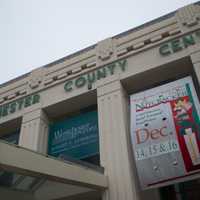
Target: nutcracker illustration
[{"x": 188, "y": 127}]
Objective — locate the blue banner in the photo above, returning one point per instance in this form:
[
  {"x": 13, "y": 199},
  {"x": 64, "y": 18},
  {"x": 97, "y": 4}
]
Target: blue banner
[{"x": 75, "y": 137}]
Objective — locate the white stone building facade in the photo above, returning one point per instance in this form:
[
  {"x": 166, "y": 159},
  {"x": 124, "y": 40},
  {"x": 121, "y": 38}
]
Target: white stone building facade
[{"x": 104, "y": 75}]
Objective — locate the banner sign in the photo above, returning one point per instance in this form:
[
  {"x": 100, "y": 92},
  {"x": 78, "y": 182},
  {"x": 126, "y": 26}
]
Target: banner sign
[
  {"x": 165, "y": 131},
  {"x": 76, "y": 137}
]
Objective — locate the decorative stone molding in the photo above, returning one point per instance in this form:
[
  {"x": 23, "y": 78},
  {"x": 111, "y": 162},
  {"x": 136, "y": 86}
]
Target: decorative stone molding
[
  {"x": 188, "y": 17},
  {"x": 139, "y": 45},
  {"x": 91, "y": 64},
  {"x": 36, "y": 78},
  {"x": 11, "y": 96},
  {"x": 61, "y": 76},
  {"x": 122, "y": 52},
  {"x": 174, "y": 32},
  {"x": 143, "y": 44},
  {"x": 76, "y": 70},
  {"x": 48, "y": 81},
  {"x": 156, "y": 38},
  {"x": 105, "y": 50},
  {"x": 22, "y": 92},
  {"x": 2, "y": 100}
]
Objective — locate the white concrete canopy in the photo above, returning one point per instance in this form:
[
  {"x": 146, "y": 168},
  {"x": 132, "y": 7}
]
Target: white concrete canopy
[{"x": 37, "y": 165}]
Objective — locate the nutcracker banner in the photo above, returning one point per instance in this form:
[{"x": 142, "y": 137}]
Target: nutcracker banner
[{"x": 165, "y": 132}]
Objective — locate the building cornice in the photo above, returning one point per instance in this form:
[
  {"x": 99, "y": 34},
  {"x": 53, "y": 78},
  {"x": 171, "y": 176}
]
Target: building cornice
[{"x": 129, "y": 43}]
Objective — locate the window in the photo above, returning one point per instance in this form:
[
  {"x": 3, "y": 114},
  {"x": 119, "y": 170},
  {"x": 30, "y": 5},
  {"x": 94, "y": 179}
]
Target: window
[{"x": 76, "y": 137}]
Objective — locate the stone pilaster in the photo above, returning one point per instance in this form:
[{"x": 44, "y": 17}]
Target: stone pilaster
[
  {"x": 115, "y": 148},
  {"x": 195, "y": 58},
  {"x": 34, "y": 131}
]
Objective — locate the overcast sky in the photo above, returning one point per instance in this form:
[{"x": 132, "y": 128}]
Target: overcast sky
[{"x": 37, "y": 32}]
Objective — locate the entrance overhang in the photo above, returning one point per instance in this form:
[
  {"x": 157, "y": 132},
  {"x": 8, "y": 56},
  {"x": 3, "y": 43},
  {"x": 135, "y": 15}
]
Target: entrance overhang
[{"x": 26, "y": 162}]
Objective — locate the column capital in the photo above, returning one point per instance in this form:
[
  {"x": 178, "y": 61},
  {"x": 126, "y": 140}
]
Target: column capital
[
  {"x": 105, "y": 51},
  {"x": 188, "y": 18},
  {"x": 36, "y": 78}
]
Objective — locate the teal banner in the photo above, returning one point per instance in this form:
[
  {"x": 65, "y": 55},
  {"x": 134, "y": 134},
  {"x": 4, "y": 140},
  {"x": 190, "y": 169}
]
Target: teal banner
[{"x": 75, "y": 137}]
